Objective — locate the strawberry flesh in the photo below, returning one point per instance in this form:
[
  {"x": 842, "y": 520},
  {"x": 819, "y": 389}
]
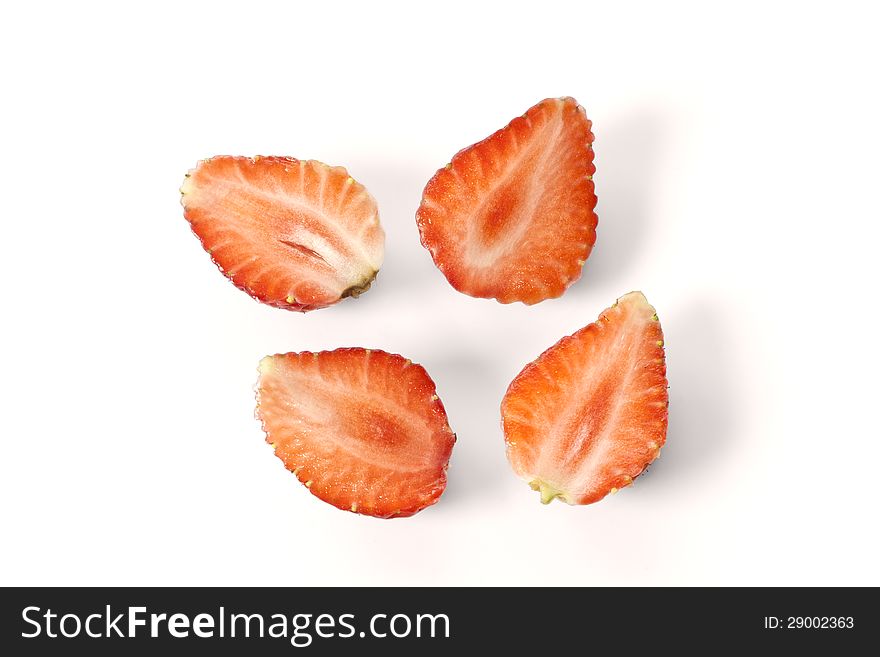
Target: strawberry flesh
[
  {"x": 364, "y": 430},
  {"x": 590, "y": 414},
  {"x": 511, "y": 217},
  {"x": 294, "y": 234}
]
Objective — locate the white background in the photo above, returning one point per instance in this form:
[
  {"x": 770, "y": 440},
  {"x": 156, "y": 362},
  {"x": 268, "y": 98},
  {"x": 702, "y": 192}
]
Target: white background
[{"x": 737, "y": 160}]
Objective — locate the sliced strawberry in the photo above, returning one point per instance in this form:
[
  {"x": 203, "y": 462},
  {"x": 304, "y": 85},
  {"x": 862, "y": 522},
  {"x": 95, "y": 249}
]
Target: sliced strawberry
[
  {"x": 364, "y": 430},
  {"x": 511, "y": 217},
  {"x": 589, "y": 415},
  {"x": 291, "y": 233}
]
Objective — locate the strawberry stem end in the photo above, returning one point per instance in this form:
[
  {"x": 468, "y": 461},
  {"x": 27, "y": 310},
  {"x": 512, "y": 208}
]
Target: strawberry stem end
[{"x": 548, "y": 492}]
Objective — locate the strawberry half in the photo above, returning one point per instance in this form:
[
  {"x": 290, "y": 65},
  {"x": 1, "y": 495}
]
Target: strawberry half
[
  {"x": 294, "y": 234},
  {"x": 511, "y": 217},
  {"x": 589, "y": 415},
  {"x": 364, "y": 430}
]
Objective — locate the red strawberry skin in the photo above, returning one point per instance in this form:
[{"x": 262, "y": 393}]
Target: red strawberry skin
[
  {"x": 512, "y": 217},
  {"x": 293, "y": 234},
  {"x": 590, "y": 414},
  {"x": 363, "y": 429}
]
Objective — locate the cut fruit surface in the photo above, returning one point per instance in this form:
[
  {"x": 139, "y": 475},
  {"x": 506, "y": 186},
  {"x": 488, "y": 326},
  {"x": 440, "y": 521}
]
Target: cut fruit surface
[
  {"x": 590, "y": 413},
  {"x": 294, "y": 234},
  {"x": 511, "y": 217},
  {"x": 363, "y": 429}
]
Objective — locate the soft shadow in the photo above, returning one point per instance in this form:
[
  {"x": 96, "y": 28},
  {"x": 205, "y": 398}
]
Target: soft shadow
[
  {"x": 471, "y": 388},
  {"x": 628, "y": 152},
  {"x": 703, "y": 396}
]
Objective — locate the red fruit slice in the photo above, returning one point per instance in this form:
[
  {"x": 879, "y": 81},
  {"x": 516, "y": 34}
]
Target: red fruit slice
[
  {"x": 511, "y": 217},
  {"x": 589, "y": 415},
  {"x": 294, "y": 234},
  {"x": 364, "y": 430}
]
